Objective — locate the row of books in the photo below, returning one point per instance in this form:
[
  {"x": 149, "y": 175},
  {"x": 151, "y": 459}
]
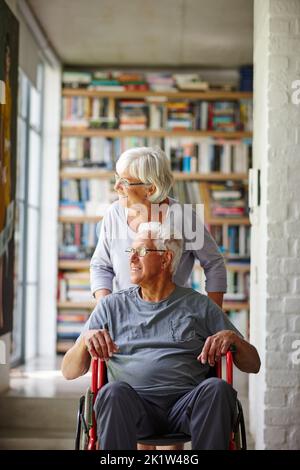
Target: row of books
[
  {"x": 134, "y": 81},
  {"x": 69, "y": 326},
  {"x": 233, "y": 240},
  {"x": 238, "y": 284},
  {"x": 100, "y": 152},
  {"x": 93, "y": 152},
  {"x": 228, "y": 200},
  {"x": 90, "y": 197},
  {"x": 140, "y": 114},
  {"x": 204, "y": 155},
  {"x": 74, "y": 287},
  {"x": 207, "y": 155},
  {"x": 89, "y": 191},
  {"x": 76, "y": 234},
  {"x": 111, "y": 80}
]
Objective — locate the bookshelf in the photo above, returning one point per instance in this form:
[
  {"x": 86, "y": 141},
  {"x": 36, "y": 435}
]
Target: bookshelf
[{"x": 207, "y": 141}]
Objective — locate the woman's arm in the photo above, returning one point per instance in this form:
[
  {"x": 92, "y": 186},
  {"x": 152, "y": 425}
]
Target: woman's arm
[
  {"x": 101, "y": 269},
  {"x": 212, "y": 261},
  {"x": 99, "y": 294},
  {"x": 217, "y": 297}
]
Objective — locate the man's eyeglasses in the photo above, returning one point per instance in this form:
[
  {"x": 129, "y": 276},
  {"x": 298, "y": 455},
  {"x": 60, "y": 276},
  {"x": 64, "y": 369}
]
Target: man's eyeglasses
[
  {"x": 124, "y": 182},
  {"x": 140, "y": 251}
]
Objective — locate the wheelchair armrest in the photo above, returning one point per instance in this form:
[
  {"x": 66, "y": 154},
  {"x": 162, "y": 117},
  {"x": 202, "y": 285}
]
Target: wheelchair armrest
[{"x": 229, "y": 365}]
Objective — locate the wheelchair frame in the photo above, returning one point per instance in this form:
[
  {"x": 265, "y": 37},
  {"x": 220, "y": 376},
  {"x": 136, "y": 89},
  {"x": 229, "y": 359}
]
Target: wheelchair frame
[{"x": 86, "y": 431}]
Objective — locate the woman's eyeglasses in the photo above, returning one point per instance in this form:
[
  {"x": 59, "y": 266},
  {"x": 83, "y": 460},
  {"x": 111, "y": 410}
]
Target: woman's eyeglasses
[
  {"x": 140, "y": 251},
  {"x": 124, "y": 182}
]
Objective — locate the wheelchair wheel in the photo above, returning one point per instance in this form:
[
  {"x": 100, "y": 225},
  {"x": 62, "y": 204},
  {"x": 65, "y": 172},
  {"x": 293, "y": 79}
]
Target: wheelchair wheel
[
  {"x": 239, "y": 429},
  {"x": 84, "y": 421},
  {"x": 79, "y": 424}
]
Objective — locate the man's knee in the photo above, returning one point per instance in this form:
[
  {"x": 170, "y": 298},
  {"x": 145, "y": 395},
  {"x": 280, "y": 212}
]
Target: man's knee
[
  {"x": 111, "y": 391},
  {"x": 218, "y": 386}
]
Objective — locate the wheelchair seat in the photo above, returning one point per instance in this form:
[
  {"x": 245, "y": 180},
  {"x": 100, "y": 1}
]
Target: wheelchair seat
[{"x": 165, "y": 439}]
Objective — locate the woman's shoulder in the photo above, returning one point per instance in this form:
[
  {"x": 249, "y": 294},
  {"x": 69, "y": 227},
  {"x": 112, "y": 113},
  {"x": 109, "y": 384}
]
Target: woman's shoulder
[{"x": 114, "y": 210}]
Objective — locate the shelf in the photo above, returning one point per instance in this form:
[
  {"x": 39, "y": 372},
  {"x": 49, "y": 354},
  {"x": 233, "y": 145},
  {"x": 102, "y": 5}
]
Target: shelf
[
  {"x": 178, "y": 176},
  {"x": 86, "y": 174},
  {"x": 74, "y": 264},
  {"x": 227, "y": 221},
  {"x": 240, "y": 268},
  {"x": 78, "y": 305},
  {"x": 79, "y": 219},
  {"x": 209, "y": 95},
  {"x": 87, "y": 132},
  {"x": 235, "y": 305}
]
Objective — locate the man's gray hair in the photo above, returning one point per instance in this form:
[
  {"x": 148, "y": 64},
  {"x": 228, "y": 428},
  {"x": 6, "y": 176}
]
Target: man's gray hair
[
  {"x": 149, "y": 165},
  {"x": 164, "y": 239}
]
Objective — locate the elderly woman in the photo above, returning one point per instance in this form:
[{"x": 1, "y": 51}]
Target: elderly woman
[{"x": 143, "y": 182}]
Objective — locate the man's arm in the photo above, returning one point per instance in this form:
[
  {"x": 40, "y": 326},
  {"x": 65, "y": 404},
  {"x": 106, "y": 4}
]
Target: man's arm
[
  {"x": 93, "y": 343},
  {"x": 76, "y": 361},
  {"x": 246, "y": 357}
]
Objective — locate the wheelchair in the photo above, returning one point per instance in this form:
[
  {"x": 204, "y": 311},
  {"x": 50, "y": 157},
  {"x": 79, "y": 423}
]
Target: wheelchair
[{"x": 86, "y": 430}]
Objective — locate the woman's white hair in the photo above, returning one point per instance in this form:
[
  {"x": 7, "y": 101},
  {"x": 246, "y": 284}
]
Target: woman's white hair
[
  {"x": 149, "y": 165},
  {"x": 164, "y": 239}
]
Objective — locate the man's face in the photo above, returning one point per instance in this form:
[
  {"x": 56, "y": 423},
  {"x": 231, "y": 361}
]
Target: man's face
[{"x": 143, "y": 269}]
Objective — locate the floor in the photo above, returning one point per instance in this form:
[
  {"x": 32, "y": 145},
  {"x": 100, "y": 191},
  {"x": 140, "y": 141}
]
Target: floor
[
  {"x": 41, "y": 377},
  {"x": 39, "y": 394}
]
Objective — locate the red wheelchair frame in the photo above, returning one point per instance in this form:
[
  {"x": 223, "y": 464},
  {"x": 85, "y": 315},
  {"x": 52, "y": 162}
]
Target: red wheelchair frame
[{"x": 87, "y": 426}]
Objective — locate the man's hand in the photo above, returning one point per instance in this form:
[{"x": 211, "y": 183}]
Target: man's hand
[
  {"x": 216, "y": 346},
  {"x": 99, "y": 344}
]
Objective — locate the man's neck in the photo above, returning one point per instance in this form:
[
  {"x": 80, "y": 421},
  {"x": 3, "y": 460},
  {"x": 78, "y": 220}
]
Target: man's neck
[{"x": 157, "y": 291}]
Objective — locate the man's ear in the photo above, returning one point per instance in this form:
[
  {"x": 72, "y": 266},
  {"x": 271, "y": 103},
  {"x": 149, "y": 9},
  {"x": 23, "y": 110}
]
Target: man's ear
[
  {"x": 167, "y": 259},
  {"x": 151, "y": 190}
]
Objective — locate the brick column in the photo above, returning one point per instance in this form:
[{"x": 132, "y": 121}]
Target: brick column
[{"x": 275, "y": 271}]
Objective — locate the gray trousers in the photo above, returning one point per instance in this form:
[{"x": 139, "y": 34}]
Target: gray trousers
[{"x": 206, "y": 413}]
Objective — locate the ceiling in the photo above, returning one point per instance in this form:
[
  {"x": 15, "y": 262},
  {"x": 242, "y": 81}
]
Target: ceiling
[{"x": 178, "y": 33}]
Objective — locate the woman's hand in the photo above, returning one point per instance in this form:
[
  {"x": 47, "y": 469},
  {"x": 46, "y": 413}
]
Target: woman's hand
[
  {"x": 216, "y": 346},
  {"x": 99, "y": 344}
]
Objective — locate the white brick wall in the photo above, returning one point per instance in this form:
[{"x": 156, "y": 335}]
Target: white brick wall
[{"x": 275, "y": 271}]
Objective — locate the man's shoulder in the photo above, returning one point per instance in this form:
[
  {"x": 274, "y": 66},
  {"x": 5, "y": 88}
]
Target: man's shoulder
[
  {"x": 119, "y": 296},
  {"x": 192, "y": 295},
  {"x": 190, "y": 291}
]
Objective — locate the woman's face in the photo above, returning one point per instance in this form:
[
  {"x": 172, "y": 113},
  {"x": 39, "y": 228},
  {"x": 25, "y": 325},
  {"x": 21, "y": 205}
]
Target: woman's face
[{"x": 130, "y": 195}]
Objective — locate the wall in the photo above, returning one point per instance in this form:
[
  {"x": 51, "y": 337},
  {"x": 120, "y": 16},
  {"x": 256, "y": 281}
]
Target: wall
[{"x": 275, "y": 271}]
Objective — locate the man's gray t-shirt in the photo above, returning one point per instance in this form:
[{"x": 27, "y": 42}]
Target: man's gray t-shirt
[{"x": 158, "y": 341}]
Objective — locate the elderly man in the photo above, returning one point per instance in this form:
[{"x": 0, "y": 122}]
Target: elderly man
[{"x": 158, "y": 341}]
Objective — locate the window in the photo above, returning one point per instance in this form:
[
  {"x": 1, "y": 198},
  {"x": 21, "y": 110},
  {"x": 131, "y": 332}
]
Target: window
[{"x": 28, "y": 206}]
